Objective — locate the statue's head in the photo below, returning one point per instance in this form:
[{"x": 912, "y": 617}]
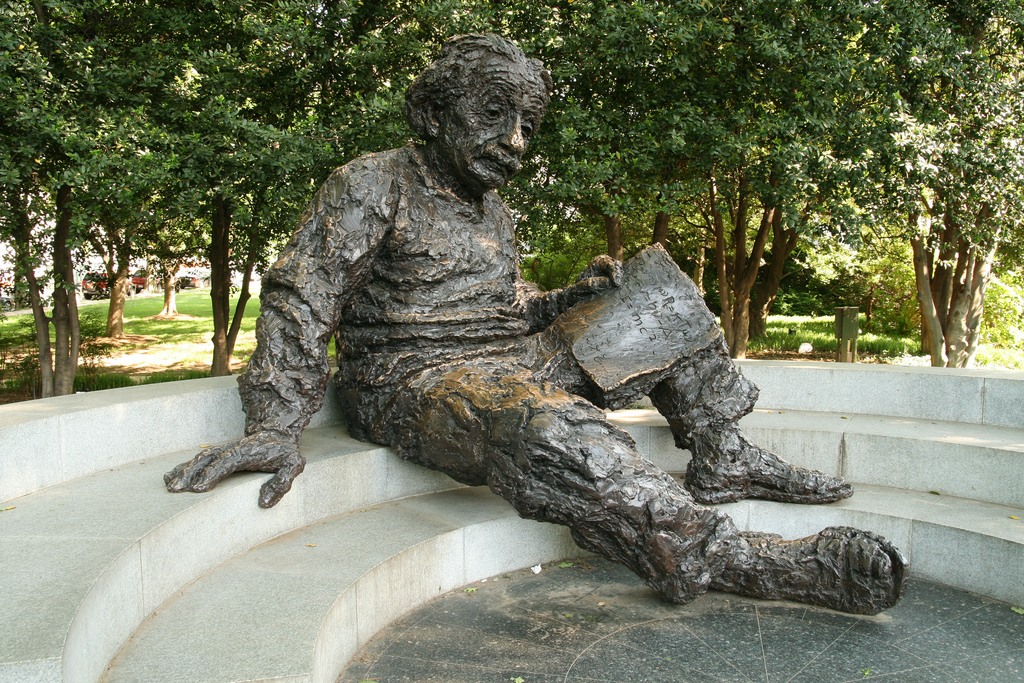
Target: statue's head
[{"x": 476, "y": 107}]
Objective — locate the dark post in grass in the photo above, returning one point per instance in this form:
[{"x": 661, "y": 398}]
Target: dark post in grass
[{"x": 847, "y": 328}]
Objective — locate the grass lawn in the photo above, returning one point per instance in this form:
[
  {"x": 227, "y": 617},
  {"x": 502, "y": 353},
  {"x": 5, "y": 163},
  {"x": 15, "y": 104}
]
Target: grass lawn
[
  {"x": 165, "y": 349},
  {"x": 785, "y": 334},
  {"x": 153, "y": 349},
  {"x": 153, "y": 344}
]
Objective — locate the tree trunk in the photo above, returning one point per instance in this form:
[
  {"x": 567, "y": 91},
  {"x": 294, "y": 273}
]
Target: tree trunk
[
  {"x": 613, "y": 232},
  {"x": 26, "y": 268},
  {"x": 724, "y": 290},
  {"x": 699, "y": 263},
  {"x": 950, "y": 276},
  {"x": 220, "y": 284},
  {"x": 168, "y": 270},
  {"x": 736, "y": 275},
  {"x": 22, "y": 260},
  {"x": 661, "y": 229},
  {"x": 170, "y": 296},
  {"x": 869, "y": 304},
  {"x": 932, "y": 341},
  {"x": 117, "y": 254},
  {"x": 65, "y": 305},
  {"x": 243, "y": 298},
  {"x": 740, "y": 326},
  {"x": 784, "y": 241},
  {"x": 115, "y": 310},
  {"x": 963, "y": 322}
]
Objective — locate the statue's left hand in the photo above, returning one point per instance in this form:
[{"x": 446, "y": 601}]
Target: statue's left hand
[
  {"x": 602, "y": 267},
  {"x": 258, "y": 452},
  {"x": 602, "y": 274}
]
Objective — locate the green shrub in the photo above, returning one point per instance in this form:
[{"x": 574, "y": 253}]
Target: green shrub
[
  {"x": 1003, "y": 321},
  {"x": 98, "y": 382},
  {"x": 175, "y": 376},
  {"x": 94, "y": 347},
  {"x": 995, "y": 357},
  {"x": 24, "y": 373}
]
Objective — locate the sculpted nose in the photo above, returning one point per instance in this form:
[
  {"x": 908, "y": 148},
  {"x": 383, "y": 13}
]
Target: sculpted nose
[{"x": 516, "y": 140}]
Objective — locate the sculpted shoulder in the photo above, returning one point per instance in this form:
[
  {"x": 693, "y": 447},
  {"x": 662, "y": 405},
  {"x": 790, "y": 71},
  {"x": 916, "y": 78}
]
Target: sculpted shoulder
[{"x": 370, "y": 180}]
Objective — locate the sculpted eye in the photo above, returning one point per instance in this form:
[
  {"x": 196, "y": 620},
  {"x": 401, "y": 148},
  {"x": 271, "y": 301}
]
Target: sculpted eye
[
  {"x": 527, "y": 128},
  {"x": 492, "y": 113}
]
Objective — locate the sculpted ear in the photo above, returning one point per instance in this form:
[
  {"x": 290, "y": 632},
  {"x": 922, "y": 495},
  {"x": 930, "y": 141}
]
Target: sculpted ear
[
  {"x": 432, "y": 124},
  {"x": 423, "y": 117}
]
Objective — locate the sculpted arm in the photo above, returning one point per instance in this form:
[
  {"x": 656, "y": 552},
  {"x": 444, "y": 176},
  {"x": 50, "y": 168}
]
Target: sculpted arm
[
  {"x": 300, "y": 307},
  {"x": 541, "y": 308}
]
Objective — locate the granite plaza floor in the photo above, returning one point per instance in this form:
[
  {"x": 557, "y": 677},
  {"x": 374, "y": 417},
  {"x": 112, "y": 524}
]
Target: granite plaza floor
[{"x": 593, "y": 621}]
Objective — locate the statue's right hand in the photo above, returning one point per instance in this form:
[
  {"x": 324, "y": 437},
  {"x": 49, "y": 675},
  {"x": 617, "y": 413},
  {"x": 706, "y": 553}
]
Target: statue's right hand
[{"x": 259, "y": 452}]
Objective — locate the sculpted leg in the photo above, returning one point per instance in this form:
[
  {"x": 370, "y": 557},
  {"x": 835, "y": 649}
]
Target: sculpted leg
[
  {"x": 703, "y": 402},
  {"x": 841, "y": 568},
  {"x": 556, "y": 459}
]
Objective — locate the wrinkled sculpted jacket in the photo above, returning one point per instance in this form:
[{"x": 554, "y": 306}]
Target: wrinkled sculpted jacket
[{"x": 407, "y": 275}]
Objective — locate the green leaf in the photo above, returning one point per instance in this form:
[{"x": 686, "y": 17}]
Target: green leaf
[{"x": 565, "y": 565}]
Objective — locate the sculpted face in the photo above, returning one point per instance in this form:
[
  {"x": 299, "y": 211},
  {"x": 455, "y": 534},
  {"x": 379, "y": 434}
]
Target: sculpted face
[{"x": 482, "y": 136}]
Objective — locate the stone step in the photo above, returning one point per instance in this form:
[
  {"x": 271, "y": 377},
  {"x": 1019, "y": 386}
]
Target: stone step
[
  {"x": 299, "y": 606},
  {"x": 982, "y": 462},
  {"x": 53, "y": 440},
  {"x": 86, "y": 561},
  {"x": 989, "y": 397}
]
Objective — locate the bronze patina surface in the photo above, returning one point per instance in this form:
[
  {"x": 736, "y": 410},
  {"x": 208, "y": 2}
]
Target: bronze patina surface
[{"x": 453, "y": 360}]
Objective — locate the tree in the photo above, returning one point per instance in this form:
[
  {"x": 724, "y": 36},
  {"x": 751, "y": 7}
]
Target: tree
[
  {"x": 234, "y": 114},
  {"x": 730, "y": 110},
  {"x": 46, "y": 75},
  {"x": 953, "y": 159},
  {"x": 77, "y": 74}
]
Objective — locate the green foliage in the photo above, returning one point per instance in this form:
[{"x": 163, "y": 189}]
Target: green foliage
[
  {"x": 94, "y": 347},
  {"x": 24, "y": 374},
  {"x": 154, "y": 112},
  {"x": 100, "y": 381},
  {"x": 999, "y": 358},
  {"x": 799, "y": 303},
  {"x": 874, "y": 272},
  {"x": 1004, "y": 312},
  {"x": 819, "y": 332},
  {"x": 174, "y": 376},
  {"x": 16, "y": 340}
]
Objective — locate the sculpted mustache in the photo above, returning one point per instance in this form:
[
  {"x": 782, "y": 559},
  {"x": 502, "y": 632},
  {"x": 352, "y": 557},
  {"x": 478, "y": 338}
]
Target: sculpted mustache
[{"x": 496, "y": 154}]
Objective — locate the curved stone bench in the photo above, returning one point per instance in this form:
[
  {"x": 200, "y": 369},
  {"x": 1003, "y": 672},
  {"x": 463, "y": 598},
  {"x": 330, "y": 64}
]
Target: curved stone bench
[
  {"x": 91, "y": 557},
  {"x": 297, "y": 608},
  {"x": 84, "y": 562},
  {"x": 980, "y": 462},
  {"x": 984, "y": 397},
  {"x": 46, "y": 442}
]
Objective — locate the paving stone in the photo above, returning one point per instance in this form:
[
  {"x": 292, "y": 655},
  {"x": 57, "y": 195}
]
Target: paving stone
[{"x": 546, "y": 625}]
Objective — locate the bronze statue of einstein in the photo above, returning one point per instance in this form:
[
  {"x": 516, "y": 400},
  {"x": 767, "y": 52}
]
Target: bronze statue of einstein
[{"x": 451, "y": 359}]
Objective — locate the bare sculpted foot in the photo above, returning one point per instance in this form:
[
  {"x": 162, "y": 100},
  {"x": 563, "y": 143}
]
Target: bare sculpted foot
[
  {"x": 731, "y": 468},
  {"x": 840, "y": 568},
  {"x": 260, "y": 452}
]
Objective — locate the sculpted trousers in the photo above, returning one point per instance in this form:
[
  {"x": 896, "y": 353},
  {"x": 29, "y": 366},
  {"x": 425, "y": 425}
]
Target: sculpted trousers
[{"x": 525, "y": 424}]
